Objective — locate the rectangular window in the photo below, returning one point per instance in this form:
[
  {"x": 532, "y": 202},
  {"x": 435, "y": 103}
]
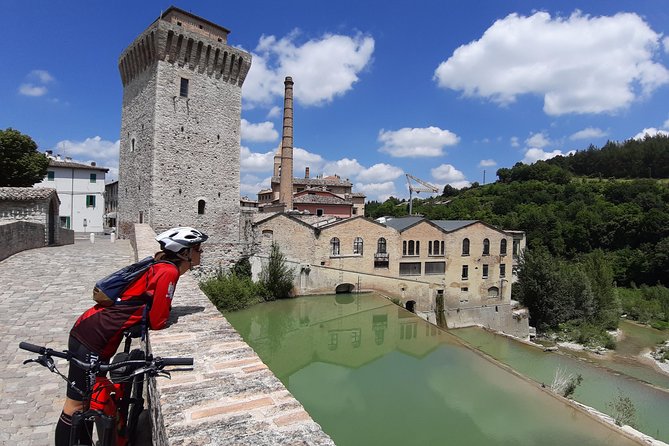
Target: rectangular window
[
  {"x": 485, "y": 271},
  {"x": 502, "y": 270},
  {"x": 183, "y": 91},
  {"x": 65, "y": 222},
  {"x": 94, "y": 177},
  {"x": 50, "y": 175},
  {"x": 435, "y": 267},
  {"x": 410, "y": 269},
  {"x": 465, "y": 272},
  {"x": 90, "y": 201},
  {"x": 355, "y": 211}
]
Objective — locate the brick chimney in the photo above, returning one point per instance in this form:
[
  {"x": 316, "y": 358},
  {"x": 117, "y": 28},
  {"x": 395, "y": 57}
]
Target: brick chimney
[
  {"x": 306, "y": 172},
  {"x": 286, "y": 181}
]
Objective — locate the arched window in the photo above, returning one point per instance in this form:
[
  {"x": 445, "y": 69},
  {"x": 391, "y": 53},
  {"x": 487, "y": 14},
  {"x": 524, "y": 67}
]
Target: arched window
[
  {"x": 429, "y": 248},
  {"x": 443, "y": 251},
  {"x": 381, "y": 246},
  {"x": 412, "y": 247},
  {"x": 465, "y": 247},
  {"x": 357, "y": 245},
  {"x": 486, "y": 247},
  {"x": 200, "y": 207},
  {"x": 417, "y": 248},
  {"x": 502, "y": 247},
  {"x": 334, "y": 246},
  {"x": 404, "y": 248},
  {"x": 493, "y": 292},
  {"x": 436, "y": 250}
]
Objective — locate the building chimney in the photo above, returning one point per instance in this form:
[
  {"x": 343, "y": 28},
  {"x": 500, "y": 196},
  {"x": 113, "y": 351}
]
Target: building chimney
[
  {"x": 58, "y": 157},
  {"x": 306, "y": 172},
  {"x": 68, "y": 159},
  {"x": 93, "y": 164},
  {"x": 49, "y": 153},
  {"x": 286, "y": 182}
]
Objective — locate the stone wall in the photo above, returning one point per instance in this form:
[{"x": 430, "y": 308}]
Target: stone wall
[
  {"x": 18, "y": 236},
  {"x": 230, "y": 396}
]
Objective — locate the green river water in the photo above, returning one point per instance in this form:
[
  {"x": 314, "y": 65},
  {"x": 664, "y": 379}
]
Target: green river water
[{"x": 372, "y": 373}]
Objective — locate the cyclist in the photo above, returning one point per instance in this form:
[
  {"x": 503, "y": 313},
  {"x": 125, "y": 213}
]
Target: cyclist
[{"x": 100, "y": 329}]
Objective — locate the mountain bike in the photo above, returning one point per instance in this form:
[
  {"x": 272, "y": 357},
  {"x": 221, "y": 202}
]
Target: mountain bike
[{"x": 113, "y": 404}]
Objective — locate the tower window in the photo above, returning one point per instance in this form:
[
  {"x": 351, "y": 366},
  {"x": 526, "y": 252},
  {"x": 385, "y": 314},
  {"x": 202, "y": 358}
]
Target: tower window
[
  {"x": 183, "y": 91},
  {"x": 132, "y": 145},
  {"x": 200, "y": 207}
]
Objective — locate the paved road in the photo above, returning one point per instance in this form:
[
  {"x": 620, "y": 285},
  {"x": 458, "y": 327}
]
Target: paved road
[{"x": 42, "y": 292}]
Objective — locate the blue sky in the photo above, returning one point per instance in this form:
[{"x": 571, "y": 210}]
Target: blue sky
[{"x": 442, "y": 90}]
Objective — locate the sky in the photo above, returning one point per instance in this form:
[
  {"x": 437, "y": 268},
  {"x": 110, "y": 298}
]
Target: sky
[{"x": 446, "y": 91}]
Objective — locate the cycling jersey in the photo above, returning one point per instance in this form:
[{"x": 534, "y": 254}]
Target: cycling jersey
[{"x": 101, "y": 328}]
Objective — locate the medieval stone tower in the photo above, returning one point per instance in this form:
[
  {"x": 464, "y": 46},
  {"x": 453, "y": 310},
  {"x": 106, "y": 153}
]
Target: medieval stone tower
[{"x": 180, "y": 130}]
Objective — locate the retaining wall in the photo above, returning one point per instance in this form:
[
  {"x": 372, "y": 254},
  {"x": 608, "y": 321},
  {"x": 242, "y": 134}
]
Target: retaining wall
[
  {"x": 230, "y": 396},
  {"x": 18, "y": 236}
]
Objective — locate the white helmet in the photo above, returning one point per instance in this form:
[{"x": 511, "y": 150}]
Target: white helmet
[{"x": 176, "y": 239}]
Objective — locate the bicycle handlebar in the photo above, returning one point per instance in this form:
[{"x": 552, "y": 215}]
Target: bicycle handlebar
[{"x": 156, "y": 363}]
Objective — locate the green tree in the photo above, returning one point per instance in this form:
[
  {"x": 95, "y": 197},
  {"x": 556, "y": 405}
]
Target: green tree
[
  {"x": 21, "y": 165},
  {"x": 276, "y": 276}
]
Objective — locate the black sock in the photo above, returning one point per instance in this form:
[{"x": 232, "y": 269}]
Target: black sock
[{"x": 64, "y": 429}]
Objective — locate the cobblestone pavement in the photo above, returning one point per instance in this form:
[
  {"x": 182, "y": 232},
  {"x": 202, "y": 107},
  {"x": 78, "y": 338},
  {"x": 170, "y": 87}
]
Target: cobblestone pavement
[{"x": 42, "y": 292}]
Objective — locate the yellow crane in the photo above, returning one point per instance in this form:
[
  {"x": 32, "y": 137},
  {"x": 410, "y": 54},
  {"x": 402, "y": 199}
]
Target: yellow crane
[{"x": 424, "y": 187}]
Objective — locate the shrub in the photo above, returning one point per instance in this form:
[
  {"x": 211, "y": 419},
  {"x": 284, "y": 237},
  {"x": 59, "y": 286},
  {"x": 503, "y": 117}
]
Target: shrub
[
  {"x": 276, "y": 276},
  {"x": 230, "y": 292},
  {"x": 623, "y": 410}
]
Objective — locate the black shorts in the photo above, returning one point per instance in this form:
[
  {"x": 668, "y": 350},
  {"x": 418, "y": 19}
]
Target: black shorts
[{"x": 76, "y": 374}]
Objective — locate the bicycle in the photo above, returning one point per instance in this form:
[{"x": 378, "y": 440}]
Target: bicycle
[{"x": 114, "y": 404}]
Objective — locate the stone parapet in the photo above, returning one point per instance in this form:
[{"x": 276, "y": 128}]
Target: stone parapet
[
  {"x": 18, "y": 236},
  {"x": 230, "y": 396}
]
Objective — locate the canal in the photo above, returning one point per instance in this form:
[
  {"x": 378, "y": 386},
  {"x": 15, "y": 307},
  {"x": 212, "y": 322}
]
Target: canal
[{"x": 370, "y": 372}]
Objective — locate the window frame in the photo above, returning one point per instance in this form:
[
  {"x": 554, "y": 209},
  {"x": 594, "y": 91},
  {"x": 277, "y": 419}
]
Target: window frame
[
  {"x": 486, "y": 247},
  {"x": 465, "y": 246},
  {"x": 335, "y": 246},
  {"x": 50, "y": 175},
  {"x": 184, "y": 87},
  {"x": 358, "y": 245},
  {"x": 90, "y": 201}
]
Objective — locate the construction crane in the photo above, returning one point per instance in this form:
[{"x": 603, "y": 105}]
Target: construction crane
[{"x": 426, "y": 187}]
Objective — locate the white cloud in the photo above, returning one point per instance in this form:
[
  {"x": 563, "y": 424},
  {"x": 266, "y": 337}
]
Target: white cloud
[
  {"x": 32, "y": 90},
  {"x": 256, "y": 162},
  {"x": 651, "y": 131},
  {"x": 274, "y": 112},
  {"x": 380, "y": 173},
  {"x": 377, "y": 191},
  {"x": 666, "y": 124},
  {"x": 537, "y": 141},
  {"x": 665, "y": 42},
  {"x": 250, "y": 185},
  {"x": 487, "y": 163},
  {"x": 36, "y": 85},
  {"x": 260, "y": 132},
  {"x": 447, "y": 173},
  {"x": 514, "y": 141},
  {"x": 103, "y": 152},
  {"x": 303, "y": 158},
  {"x": 535, "y": 154},
  {"x": 579, "y": 64},
  {"x": 41, "y": 76},
  {"x": 344, "y": 167},
  {"x": 588, "y": 133},
  {"x": 416, "y": 142},
  {"x": 321, "y": 68}
]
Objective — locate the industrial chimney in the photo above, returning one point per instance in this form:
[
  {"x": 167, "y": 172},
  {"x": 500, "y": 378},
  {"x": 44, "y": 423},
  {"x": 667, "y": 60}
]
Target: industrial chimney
[{"x": 286, "y": 181}]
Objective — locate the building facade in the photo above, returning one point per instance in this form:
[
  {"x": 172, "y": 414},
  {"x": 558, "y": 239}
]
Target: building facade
[
  {"x": 81, "y": 189},
  {"x": 468, "y": 265},
  {"x": 111, "y": 205},
  {"x": 180, "y": 130}
]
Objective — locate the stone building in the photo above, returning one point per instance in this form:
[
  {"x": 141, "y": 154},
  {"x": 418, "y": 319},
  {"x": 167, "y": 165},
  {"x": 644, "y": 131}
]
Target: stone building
[
  {"x": 81, "y": 190},
  {"x": 180, "y": 130},
  {"x": 468, "y": 265},
  {"x": 29, "y": 219}
]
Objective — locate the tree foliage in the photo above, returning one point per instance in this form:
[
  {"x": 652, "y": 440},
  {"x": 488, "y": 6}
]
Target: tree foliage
[{"x": 21, "y": 165}]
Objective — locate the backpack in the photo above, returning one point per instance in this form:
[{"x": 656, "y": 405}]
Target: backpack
[{"x": 108, "y": 291}]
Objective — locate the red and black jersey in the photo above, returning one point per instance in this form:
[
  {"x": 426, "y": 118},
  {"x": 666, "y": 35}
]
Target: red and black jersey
[{"x": 100, "y": 328}]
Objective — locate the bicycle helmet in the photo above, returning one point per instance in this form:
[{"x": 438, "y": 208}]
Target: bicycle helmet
[{"x": 176, "y": 239}]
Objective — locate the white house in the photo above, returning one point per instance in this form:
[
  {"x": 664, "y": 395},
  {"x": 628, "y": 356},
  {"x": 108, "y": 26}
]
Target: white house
[{"x": 81, "y": 189}]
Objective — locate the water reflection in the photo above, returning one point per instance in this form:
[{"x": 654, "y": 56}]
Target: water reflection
[{"x": 372, "y": 373}]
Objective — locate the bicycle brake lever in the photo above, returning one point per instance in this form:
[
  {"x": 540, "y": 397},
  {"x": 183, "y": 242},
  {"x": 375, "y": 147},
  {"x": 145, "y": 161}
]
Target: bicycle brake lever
[
  {"x": 43, "y": 361},
  {"x": 164, "y": 374}
]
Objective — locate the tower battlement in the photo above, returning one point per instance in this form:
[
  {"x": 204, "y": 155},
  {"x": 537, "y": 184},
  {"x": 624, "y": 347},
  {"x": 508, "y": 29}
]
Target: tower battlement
[{"x": 181, "y": 38}]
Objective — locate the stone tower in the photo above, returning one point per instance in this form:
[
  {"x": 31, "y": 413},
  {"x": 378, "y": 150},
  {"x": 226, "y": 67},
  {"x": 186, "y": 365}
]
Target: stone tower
[{"x": 180, "y": 130}]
